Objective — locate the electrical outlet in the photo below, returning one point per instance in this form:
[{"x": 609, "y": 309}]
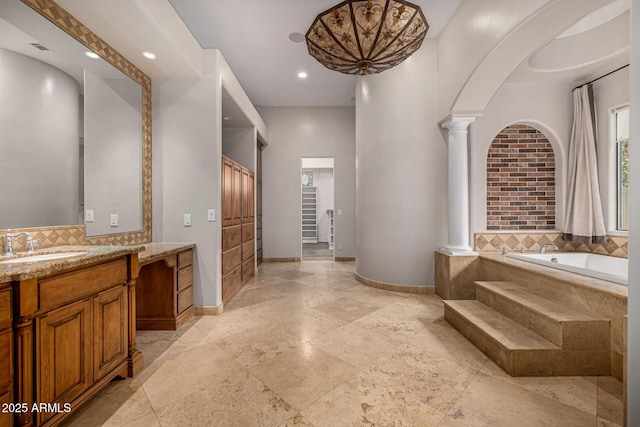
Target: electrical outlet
[
  {"x": 88, "y": 215},
  {"x": 339, "y": 247},
  {"x": 187, "y": 220},
  {"x": 113, "y": 220},
  {"x": 339, "y": 212}
]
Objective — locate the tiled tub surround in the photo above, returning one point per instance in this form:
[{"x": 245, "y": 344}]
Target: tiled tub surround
[
  {"x": 456, "y": 277},
  {"x": 521, "y": 183},
  {"x": 599, "y": 266},
  {"x": 617, "y": 246}
]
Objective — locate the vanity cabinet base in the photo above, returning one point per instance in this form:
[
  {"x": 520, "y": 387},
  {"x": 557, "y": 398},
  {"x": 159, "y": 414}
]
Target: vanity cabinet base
[
  {"x": 74, "y": 332},
  {"x": 164, "y": 292}
]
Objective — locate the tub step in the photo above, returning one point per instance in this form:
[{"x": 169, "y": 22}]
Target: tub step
[
  {"x": 566, "y": 327},
  {"x": 516, "y": 349}
]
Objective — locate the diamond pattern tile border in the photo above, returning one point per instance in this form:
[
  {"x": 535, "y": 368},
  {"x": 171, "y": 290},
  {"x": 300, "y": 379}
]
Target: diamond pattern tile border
[{"x": 617, "y": 246}]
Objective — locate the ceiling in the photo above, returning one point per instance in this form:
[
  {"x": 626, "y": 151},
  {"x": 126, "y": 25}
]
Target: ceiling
[
  {"x": 592, "y": 47},
  {"x": 253, "y": 36}
]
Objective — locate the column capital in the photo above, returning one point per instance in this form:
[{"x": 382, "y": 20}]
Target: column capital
[{"x": 457, "y": 123}]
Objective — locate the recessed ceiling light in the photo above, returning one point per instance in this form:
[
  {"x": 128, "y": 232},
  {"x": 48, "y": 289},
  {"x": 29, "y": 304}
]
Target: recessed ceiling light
[
  {"x": 149, "y": 55},
  {"x": 227, "y": 118},
  {"x": 296, "y": 37},
  {"x": 92, "y": 55},
  {"x": 302, "y": 75}
]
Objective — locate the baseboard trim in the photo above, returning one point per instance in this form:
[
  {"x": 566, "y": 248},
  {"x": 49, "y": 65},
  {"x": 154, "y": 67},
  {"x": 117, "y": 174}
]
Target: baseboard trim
[
  {"x": 394, "y": 287},
  {"x": 212, "y": 310},
  {"x": 281, "y": 260},
  {"x": 344, "y": 258}
]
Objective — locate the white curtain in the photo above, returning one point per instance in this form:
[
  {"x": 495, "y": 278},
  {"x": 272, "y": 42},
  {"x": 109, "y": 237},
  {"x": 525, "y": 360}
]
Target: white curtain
[{"x": 584, "y": 222}]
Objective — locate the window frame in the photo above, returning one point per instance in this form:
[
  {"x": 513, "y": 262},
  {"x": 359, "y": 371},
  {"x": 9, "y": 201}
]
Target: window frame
[{"x": 616, "y": 143}]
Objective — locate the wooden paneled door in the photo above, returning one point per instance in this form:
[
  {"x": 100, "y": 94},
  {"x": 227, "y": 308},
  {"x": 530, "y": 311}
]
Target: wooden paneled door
[
  {"x": 110, "y": 332},
  {"x": 238, "y": 227},
  {"x": 231, "y": 193},
  {"x": 64, "y": 350}
]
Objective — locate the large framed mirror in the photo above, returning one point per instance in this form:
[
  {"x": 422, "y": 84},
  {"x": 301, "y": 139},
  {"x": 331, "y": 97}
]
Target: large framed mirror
[{"x": 76, "y": 131}]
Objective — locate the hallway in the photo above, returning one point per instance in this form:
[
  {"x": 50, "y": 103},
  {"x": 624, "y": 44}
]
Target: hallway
[{"x": 304, "y": 344}]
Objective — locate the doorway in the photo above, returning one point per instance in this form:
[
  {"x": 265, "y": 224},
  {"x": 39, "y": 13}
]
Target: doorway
[{"x": 317, "y": 207}]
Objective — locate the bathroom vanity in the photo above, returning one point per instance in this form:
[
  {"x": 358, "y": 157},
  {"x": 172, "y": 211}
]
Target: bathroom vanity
[
  {"x": 164, "y": 286},
  {"x": 67, "y": 328}
]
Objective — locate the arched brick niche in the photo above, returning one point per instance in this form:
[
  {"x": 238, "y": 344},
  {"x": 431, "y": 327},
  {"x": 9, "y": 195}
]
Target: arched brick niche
[{"x": 521, "y": 184}]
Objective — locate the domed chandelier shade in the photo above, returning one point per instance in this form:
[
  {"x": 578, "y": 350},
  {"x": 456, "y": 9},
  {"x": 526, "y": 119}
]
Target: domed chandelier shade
[{"x": 366, "y": 37}]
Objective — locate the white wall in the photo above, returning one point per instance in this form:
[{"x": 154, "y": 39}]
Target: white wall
[
  {"x": 401, "y": 172},
  {"x": 547, "y": 107},
  {"x": 187, "y": 153},
  {"x": 633, "y": 363},
  {"x": 240, "y": 145},
  {"x": 609, "y": 92},
  {"x": 112, "y": 153},
  {"x": 39, "y": 143},
  {"x": 305, "y": 132}
]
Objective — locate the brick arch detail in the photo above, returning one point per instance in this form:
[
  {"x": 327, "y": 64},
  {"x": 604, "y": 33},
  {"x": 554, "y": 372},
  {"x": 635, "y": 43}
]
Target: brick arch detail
[{"x": 521, "y": 183}]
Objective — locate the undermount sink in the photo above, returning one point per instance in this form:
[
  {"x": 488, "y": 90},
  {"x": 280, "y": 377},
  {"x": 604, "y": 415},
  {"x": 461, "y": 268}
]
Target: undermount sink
[{"x": 43, "y": 257}]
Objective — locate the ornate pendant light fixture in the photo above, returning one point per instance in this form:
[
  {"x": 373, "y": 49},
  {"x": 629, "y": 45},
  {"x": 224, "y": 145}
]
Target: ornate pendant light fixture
[{"x": 366, "y": 36}]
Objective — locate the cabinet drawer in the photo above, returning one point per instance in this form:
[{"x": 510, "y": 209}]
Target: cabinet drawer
[
  {"x": 231, "y": 259},
  {"x": 5, "y": 305},
  {"x": 231, "y": 237},
  {"x": 66, "y": 287},
  {"x": 185, "y": 259},
  {"x": 248, "y": 269},
  {"x": 247, "y": 231},
  {"x": 185, "y": 278},
  {"x": 231, "y": 282},
  {"x": 185, "y": 299},
  {"x": 247, "y": 250}
]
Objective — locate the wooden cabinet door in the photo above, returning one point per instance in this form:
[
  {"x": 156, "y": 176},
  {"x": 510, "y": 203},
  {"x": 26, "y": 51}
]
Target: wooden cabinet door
[
  {"x": 248, "y": 192},
  {"x": 237, "y": 195},
  {"x": 227, "y": 193},
  {"x": 63, "y": 348},
  {"x": 6, "y": 375},
  {"x": 110, "y": 331}
]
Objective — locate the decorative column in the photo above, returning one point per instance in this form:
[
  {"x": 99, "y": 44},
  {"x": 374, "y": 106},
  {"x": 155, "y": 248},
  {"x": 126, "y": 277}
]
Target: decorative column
[{"x": 458, "y": 191}]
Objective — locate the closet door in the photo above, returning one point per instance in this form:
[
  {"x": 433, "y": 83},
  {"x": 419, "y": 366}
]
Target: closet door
[
  {"x": 227, "y": 192},
  {"x": 248, "y": 194},
  {"x": 236, "y": 202}
]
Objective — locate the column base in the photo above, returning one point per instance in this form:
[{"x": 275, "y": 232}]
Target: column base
[{"x": 458, "y": 251}]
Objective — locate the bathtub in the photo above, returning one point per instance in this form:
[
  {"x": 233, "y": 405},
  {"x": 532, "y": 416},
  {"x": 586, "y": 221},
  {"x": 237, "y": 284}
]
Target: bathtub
[{"x": 599, "y": 266}]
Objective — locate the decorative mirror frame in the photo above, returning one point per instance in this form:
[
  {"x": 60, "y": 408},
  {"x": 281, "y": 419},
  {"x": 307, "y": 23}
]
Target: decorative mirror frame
[{"x": 70, "y": 25}]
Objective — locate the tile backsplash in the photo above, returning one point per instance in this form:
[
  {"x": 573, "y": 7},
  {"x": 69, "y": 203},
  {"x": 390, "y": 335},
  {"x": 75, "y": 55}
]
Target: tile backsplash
[
  {"x": 617, "y": 246},
  {"x": 65, "y": 235}
]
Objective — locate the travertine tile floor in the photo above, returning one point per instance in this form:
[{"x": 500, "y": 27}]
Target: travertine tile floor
[{"x": 304, "y": 344}]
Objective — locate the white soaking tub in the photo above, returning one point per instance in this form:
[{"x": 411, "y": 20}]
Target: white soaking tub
[{"x": 599, "y": 266}]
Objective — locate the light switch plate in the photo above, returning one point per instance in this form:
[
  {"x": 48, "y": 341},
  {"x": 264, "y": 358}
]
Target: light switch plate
[
  {"x": 113, "y": 220},
  {"x": 211, "y": 215},
  {"x": 339, "y": 212},
  {"x": 187, "y": 220},
  {"x": 88, "y": 215}
]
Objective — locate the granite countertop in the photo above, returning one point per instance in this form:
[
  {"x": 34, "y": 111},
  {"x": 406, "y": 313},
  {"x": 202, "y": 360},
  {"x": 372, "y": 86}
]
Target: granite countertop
[
  {"x": 155, "y": 251},
  {"x": 29, "y": 270}
]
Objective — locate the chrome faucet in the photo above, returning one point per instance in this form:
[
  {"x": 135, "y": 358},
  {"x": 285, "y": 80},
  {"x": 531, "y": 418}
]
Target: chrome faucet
[
  {"x": 543, "y": 249},
  {"x": 8, "y": 250}
]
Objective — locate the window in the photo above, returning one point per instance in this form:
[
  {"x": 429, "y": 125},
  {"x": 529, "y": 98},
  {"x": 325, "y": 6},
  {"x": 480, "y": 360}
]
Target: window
[{"x": 621, "y": 120}]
